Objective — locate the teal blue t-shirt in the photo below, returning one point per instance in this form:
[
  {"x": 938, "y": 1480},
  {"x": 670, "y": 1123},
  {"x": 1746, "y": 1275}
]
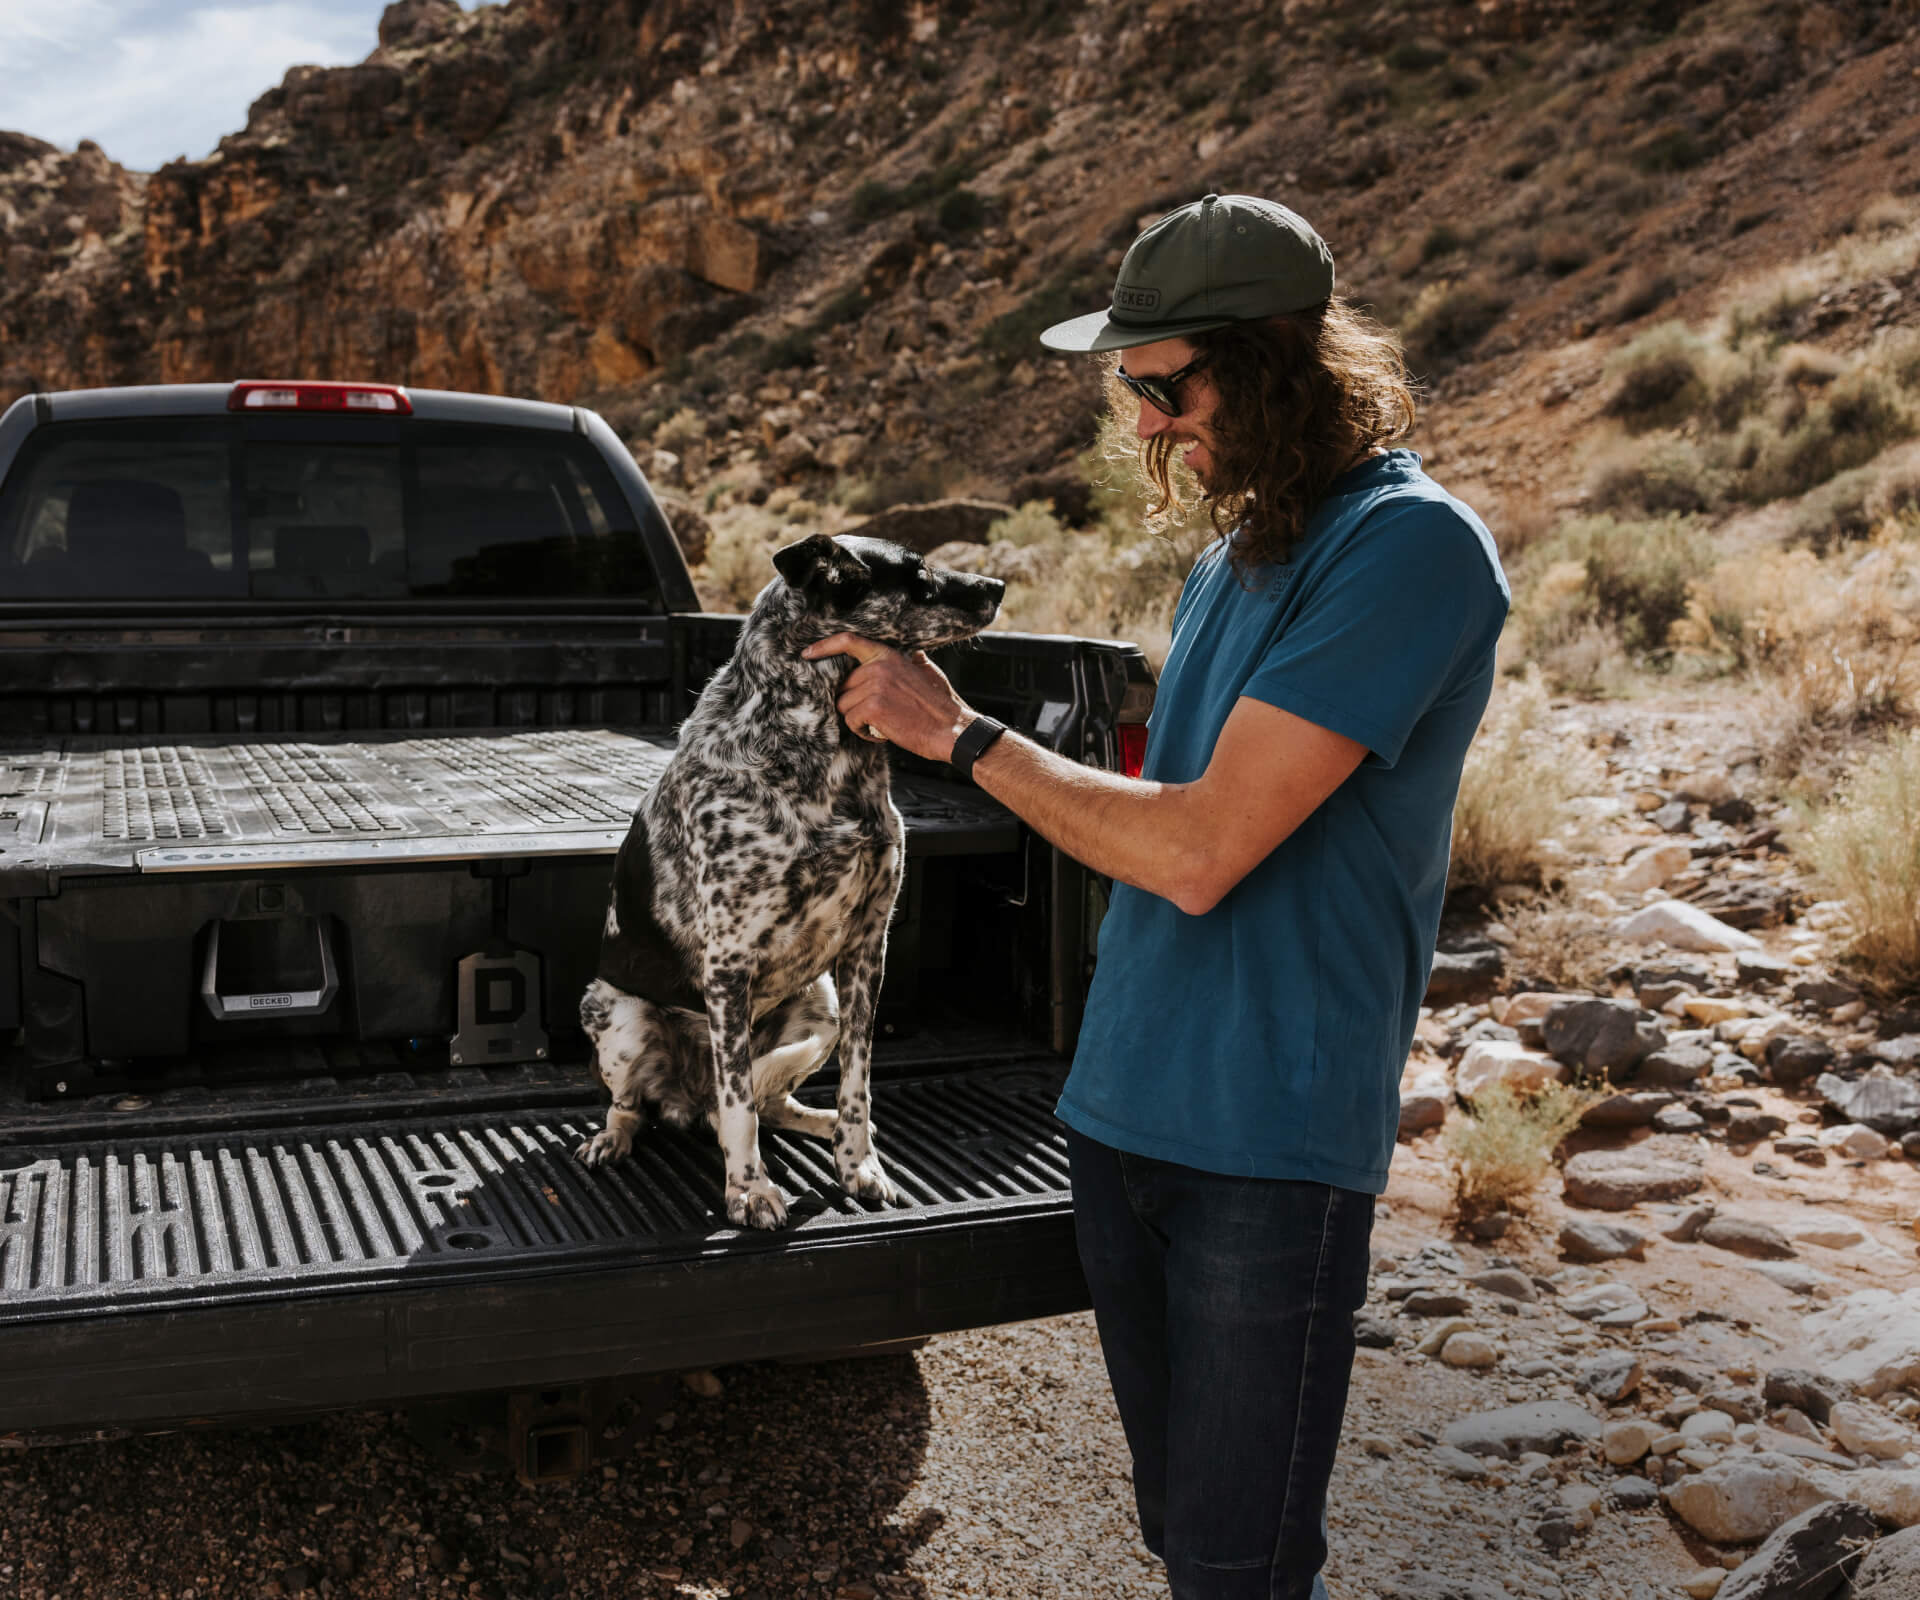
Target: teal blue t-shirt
[{"x": 1267, "y": 1036}]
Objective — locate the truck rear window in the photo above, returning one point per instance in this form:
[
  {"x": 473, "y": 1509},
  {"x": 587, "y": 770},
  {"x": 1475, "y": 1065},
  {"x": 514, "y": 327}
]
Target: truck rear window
[{"x": 315, "y": 508}]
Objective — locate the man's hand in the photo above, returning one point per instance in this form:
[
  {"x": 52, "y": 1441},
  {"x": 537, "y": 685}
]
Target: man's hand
[{"x": 890, "y": 696}]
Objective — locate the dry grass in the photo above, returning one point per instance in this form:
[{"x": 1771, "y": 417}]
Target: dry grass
[
  {"x": 1557, "y": 946},
  {"x": 1519, "y": 775},
  {"x": 1502, "y": 1150},
  {"x": 1867, "y": 846}
]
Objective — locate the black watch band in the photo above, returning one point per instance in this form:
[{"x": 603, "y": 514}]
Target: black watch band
[{"x": 972, "y": 744}]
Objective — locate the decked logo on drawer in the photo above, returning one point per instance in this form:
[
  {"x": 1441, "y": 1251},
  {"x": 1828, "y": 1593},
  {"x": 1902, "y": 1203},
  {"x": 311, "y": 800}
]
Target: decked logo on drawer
[{"x": 262, "y": 1002}]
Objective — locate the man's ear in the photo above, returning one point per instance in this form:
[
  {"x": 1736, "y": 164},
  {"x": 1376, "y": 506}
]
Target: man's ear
[{"x": 820, "y": 562}]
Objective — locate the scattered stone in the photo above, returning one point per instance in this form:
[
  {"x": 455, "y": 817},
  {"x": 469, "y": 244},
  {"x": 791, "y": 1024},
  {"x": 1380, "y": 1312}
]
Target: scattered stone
[
  {"x": 1617, "y": 1180},
  {"x": 1757, "y": 967},
  {"x": 1887, "y": 1104},
  {"x": 1793, "y": 1276},
  {"x": 1457, "y": 1463},
  {"x": 1748, "y": 904},
  {"x": 1703, "y": 1583},
  {"x": 1891, "y": 1570},
  {"x": 1487, "y": 1061},
  {"x": 1673, "y": 817},
  {"x": 1585, "y": 1240},
  {"x": 1903, "y": 1051},
  {"x": 1651, "y": 867},
  {"x": 1743, "y": 1498},
  {"x": 1434, "y": 1340},
  {"x": 1636, "y": 1110},
  {"x": 1830, "y": 1233},
  {"x": 1433, "y": 1303},
  {"x": 1609, "y": 1037},
  {"x": 1626, "y": 1441},
  {"x": 1677, "y": 1375},
  {"x": 1469, "y": 1348},
  {"x": 1465, "y": 975},
  {"x": 1492, "y": 1226},
  {"x": 1802, "y": 1148},
  {"x": 1749, "y": 1125},
  {"x": 1707, "y": 1010},
  {"x": 1868, "y": 1431},
  {"x": 1506, "y": 1282},
  {"x": 1795, "y": 1057},
  {"x": 1372, "y": 1332},
  {"x": 1747, "y": 1237},
  {"x": 1891, "y": 1493},
  {"x": 1685, "y": 1228},
  {"x": 1828, "y": 994},
  {"x": 1557, "y": 1532},
  {"x": 1740, "y": 1404},
  {"x": 1678, "y": 1119},
  {"x": 1685, "y": 927},
  {"x": 1610, "y": 1305},
  {"x": 1547, "y": 1426},
  {"x": 1611, "y": 1377},
  {"x": 1810, "y": 1450},
  {"x": 1424, "y": 1105},
  {"x": 1813, "y": 1393},
  {"x": 1910, "y": 1146},
  {"x": 1854, "y": 1141},
  {"x": 1708, "y": 1427},
  {"x": 1807, "y": 1557},
  {"x": 1634, "y": 1494}
]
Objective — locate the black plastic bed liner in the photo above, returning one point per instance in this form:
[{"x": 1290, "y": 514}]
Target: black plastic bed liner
[
  {"x": 235, "y": 804},
  {"x": 358, "y": 1262}
]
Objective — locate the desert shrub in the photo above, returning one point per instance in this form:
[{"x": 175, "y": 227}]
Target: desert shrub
[
  {"x": 1643, "y": 289},
  {"x": 740, "y": 544},
  {"x": 1414, "y": 55},
  {"x": 1660, "y": 474},
  {"x": 1581, "y": 655},
  {"x": 1837, "y": 512},
  {"x": 680, "y": 430},
  {"x": 873, "y": 199},
  {"x": 1635, "y": 574},
  {"x": 1851, "y": 421},
  {"x": 1565, "y": 250},
  {"x": 1502, "y": 1150},
  {"x": 1442, "y": 240},
  {"x": 962, "y": 212},
  {"x": 1661, "y": 378},
  {"x": 1867, "y": 846},
  {"x": 1517, "y": 779},
  {"x": 1448, "y": 320},
  {"x": 1673, "y": 148},
  {"x": 1557, "y": 946}
]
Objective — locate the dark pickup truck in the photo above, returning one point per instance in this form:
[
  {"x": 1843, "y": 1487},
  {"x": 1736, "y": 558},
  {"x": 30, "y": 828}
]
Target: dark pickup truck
[{"x": 323, "y": 709}]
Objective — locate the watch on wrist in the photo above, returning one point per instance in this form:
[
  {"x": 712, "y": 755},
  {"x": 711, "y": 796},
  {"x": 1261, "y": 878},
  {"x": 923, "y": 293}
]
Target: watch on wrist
[{"x": 972, "y": 744}]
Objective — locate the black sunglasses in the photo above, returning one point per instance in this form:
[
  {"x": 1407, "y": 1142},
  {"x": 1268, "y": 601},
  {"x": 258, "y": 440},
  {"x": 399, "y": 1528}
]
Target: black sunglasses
[{"x": 1162, "y": 393}]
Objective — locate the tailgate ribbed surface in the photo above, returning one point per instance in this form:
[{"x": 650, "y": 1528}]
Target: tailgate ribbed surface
[{"x": 230, "y": 1215}]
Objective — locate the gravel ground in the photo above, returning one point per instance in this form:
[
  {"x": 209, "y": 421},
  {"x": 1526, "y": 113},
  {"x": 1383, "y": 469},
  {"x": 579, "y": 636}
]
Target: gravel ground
[{"x": 988, "y": 1463}]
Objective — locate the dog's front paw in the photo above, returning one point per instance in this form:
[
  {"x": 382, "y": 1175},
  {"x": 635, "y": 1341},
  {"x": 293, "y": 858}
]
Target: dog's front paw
[
  {"x": 609, "y": 1144},
  {"x": 756, "y": 1204},
  {"x": 869, "y": 1181}
]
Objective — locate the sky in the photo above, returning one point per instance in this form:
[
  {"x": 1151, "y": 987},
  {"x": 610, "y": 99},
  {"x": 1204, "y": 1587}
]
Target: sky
[{"x": 149, "y": 80}]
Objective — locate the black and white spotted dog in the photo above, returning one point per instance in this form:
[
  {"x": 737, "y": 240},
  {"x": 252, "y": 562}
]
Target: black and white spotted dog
[{"x": 748, "y": 927}]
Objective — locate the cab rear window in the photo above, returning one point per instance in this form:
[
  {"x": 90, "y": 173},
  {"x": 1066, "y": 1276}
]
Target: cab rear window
[{"x": 300, "y": 509}]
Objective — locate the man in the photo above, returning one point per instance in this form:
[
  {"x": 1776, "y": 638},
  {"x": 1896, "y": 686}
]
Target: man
[{"x": 1280, "y": 866}]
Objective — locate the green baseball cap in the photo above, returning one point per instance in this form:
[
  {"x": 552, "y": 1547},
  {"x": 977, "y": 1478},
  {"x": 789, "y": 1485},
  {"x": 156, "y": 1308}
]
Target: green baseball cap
[{"x": 1225, "y": 258}]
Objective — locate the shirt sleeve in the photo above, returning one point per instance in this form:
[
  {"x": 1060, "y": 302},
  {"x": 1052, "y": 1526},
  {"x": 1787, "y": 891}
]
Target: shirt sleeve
[{"x": 1387, "y": 626}]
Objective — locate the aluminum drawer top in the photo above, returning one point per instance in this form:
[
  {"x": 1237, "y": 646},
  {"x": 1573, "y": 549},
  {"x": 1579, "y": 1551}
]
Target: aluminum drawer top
[{"x": 237, "y": 803}]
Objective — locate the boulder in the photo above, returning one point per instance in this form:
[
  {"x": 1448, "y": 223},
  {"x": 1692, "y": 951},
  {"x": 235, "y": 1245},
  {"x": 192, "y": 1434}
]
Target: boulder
[
  {"x": 1901, "y": 1051},
  {"x": 1866, "y": 1430},
  {"x": 1824, "y": 992},
  {"x": 1469, "y": 975},
  {"x": 1747, "y": 1237},
  {"x": 1795, "y": 1057},
  {"x": 1506, "y": 1282},
  {"x": 1854, "y": 1141},
  {"x": 1618, "y": 1180},
  {"x": 1871, "y": 1339},
  {"x": 1807, "y": 1557},
  {"x": 1610, "y": 1378},
  {"x": 1610, "y": 1305},
  {"x": 1424, "y": 1104},
  {"x": 1891, "y": 1493},
  {"x": 1584, "y": 1239},
  {"x": 1627, "y": 1441},
  {"x": 1488, "y": 1061},
  {"x": 1743, "y": 1498},
  {"x": 1675, "y": 1066},
  {"x": 1633, "y": 1494},
  {"x": 1546, "y": 1426},
  {"x": 1891, "y": 1570},
  {"x": 1635, "y": 1110},
  {"x": 1886, "y": 1103},
  {"x": 1609, "y": 1037},
  {"x": 1469, "y": 1348},
  {"x": 1678, "y": 1119},
  {"x": 1814, "y": 1393},
  {"x": 1685, "y": 927},
  {"x": 1651, "y": 867}
]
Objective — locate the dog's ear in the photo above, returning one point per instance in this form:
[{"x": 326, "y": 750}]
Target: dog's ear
[{"x": 822, "y": 564}]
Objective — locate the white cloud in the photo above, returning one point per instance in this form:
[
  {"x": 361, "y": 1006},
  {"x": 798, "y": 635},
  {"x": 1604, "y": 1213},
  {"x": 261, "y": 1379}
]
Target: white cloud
[{"x": 149, "y": 80}]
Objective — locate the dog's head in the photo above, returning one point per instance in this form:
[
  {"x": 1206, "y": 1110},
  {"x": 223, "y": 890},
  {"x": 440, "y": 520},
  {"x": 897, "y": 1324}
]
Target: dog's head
[{"x": 883, "y": 591}]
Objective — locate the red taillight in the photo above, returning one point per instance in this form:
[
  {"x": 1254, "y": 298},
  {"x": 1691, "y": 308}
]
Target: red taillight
[
  {"x": 1133, "y": 748},
  {"x": 363, "y": 399}
]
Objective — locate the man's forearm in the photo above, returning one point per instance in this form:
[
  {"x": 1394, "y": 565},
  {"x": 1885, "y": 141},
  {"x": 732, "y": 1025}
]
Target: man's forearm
[{"x": 1140, "y": 833}]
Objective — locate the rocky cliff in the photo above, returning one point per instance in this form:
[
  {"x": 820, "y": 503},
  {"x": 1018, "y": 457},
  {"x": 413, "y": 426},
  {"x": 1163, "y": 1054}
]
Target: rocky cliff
[{"x": 832, "y": 230}]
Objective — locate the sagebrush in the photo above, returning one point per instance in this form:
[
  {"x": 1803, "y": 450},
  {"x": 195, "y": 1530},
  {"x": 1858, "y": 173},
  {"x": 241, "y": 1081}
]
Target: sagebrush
[
  {"x": 1502, "y": 1150},
  {"x": 1867, "y": 846}
]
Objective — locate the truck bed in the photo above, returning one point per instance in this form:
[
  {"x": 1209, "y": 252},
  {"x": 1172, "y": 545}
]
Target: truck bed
[{"x": 226, "y": 804}]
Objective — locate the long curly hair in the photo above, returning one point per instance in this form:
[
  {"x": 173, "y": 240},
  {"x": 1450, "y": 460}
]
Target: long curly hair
[{"x": 1300, "y": 398}]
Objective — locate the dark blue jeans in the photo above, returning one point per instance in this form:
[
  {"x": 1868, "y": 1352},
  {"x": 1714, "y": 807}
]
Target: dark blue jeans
[{"x": 1225, "y": 1307}]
